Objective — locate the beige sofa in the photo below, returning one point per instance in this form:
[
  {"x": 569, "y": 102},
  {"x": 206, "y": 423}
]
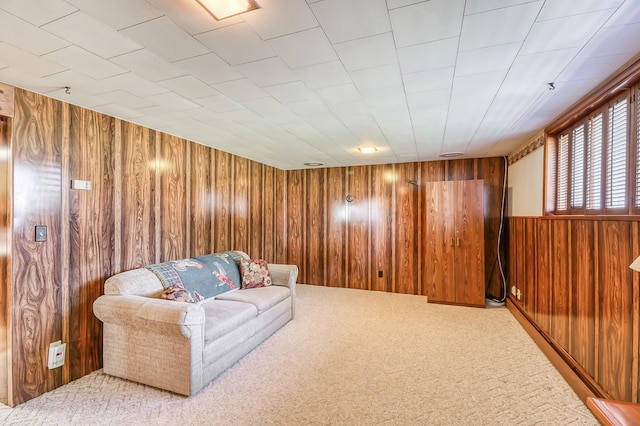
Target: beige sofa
[{"x": 180, "y": 346}]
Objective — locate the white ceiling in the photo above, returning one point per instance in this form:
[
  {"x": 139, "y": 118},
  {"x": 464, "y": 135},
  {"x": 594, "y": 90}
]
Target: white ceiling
[{"x": 311, "y": 81}]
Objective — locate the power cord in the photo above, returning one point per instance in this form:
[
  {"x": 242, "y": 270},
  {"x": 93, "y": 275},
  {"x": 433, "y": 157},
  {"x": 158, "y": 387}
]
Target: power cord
[{"x": 500, "y": 267}]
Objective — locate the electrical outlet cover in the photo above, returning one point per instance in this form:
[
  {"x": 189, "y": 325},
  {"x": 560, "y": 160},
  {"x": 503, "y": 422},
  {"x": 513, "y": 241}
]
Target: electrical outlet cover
[{"x": 57, "y": 351}]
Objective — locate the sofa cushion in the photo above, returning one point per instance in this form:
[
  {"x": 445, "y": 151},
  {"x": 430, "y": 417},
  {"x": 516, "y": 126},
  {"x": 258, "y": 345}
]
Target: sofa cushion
[
  {"x": 262, "y": 298},
  {"x": 255, "y": 273},
  {"x": 203, "y": 277},
  {"x": 223, "y": 316}
]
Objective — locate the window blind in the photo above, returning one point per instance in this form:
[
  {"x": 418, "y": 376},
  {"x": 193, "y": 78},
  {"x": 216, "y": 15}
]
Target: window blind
[
  {"x": 562, "y": 194},
  {"x": 594, "y": 163},
  {"x": 616, "y": 188},
  {"x": 577, "y": 167}
]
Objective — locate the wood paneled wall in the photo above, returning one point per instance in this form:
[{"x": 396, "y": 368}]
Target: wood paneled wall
[
  {"x": 576, "y": 286},
  {"x": 5, "y": 251},
  {"x": 345, "y": 244},
  {"x": 154, "y": 197}
]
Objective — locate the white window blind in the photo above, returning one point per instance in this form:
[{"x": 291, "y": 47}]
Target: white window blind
[
  {"x": 577, "y": 167},
  {"x": 637, "y": 100},
  {"x": 594, "y": 163},
  {"x": 616, "y": 187},
  {"x": 563, "y": 173}
]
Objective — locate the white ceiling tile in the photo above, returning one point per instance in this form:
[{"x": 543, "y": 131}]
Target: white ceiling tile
[
  {"x": 135, "y": 84},
  {"x": 26, "y": 79},
  {"x": 241, "y": 90},
  {"x": 487, "y": 59},
  {"x": 377, "y": 78},
  {"x": 592, "y": 68},
  {"x": 27, "y": 36},
  {"x": 204, "y": 115},
  {"x": 541, "y": 67},
  {"x": 508, "y": 25},
  {"x": 146, "y": 63},
  {"x": 11, "y": 56},
  {"x": 219, "y": 103},
  {"x": 243, "y": 115},
  {"x": 271, "y": 110},
  {"x": 268, "y": 72},
  {"x": 427, "y": 21},
  {"x": 339, "y": 94},
  {"x": 209, "y": 68},
  {"x": 173, "y": 101},
  {"x": 189, "y": 15},
  {"x": 189, "y": 87},
  {"x": 81, "y": 83},
  {"x": 125, "y": 99},
  {"x": 304, "y": 48},
  {"x": 290, "y": 92},
  {"x": 77, "y": 98},
  {"x": 92, "y": 35},
  {"x": 118, "y": 111},
  {"x": 479, "y": 6},
  {"x": 627, "y": 13},
  {"x": 323, "y": 75},
  {"x": 85, "y": 62},
  {"x": 560, "y": 9},
  {"x": 562, "y": 33},
  {"x": 438, "y": 99},
  {"x": 37, "y": 12},
  {"x": 344, "y": 20},
  {"x": 349, "y": 107},
  {"x": 427, "y": 56},
  {"x": 279, "y": 17},
  {"x": 440, "y": 78},
  {"x": 394, "y": 4},
  {"x": 368, "y": 52},
  {"x": 110, "y": 12},
  {"x": 165, "y": 39},
  {"x": 236, "y": 44},
  {"x": 613, "y": 40}
]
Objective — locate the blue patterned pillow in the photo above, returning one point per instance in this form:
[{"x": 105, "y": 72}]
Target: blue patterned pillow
[{"x": 203, "y": 277}]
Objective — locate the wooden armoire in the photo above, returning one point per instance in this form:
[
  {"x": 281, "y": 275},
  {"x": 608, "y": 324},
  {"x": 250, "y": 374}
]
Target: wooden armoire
[{"x": 455, "y": 242}]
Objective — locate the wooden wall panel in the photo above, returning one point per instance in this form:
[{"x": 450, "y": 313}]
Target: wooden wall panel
[
  {"x": 138, "y": 220},
  {"x": 36, "y": 292},
  {"x": 269, "y": 212},
  {"x": 296, "y": 221},
  {"x": 173, "y": 198},
  {"x": 561, "y": 282},
  {"x": 382, "y": 226},
  {"x": 256, "y": 207},
  {"x": 201, "y": 199},
  {"x": 241, "y": 205},
  {"x": 529, "y": 244},
  {"x": 544, "y": 276},
  {"x": 407, "y": 218},
  {"x": 91, "y": 234},
  {"x": 336, "y": 212},
  {"x": 315, "y": 227},
  {"x": 5, "y": 253},
  {"x": 615, "y": 309},
  {"x": 583, "y": 294},
  {"x": 222, "y": 204},
  {"x": 280, "y": 221},
  {"x": 358, "y": 238}
]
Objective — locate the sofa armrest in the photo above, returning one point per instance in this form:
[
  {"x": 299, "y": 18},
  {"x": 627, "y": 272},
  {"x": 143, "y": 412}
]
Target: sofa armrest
[
  {"x": 158, "y": 315},
  {"x": 286, "y": 276}
]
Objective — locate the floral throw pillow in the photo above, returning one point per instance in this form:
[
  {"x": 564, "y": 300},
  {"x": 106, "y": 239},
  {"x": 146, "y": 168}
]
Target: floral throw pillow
[
  {"x": 254, "y": 273},
  {"x": 178, "y": 293}
]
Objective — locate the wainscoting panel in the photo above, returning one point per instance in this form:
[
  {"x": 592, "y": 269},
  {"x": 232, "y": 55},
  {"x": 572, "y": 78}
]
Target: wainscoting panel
[
  {"x": 91, "y": 234},
  {"x": 36, "y": 291},
  {"x": 586, "y": 297},
  {"x": 5, "y": 252}
]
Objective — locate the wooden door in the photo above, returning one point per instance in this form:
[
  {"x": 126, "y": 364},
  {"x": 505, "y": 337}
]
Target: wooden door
[{"x": 469, "y": 254}]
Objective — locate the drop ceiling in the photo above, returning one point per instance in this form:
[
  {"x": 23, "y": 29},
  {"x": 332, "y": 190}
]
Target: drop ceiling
[{"x": 312, "y": 81}]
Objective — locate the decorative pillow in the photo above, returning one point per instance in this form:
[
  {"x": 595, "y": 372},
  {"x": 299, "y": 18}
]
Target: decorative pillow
[
  {"x": 255, "y": 273},
  {"x": 177, "y": 293},
  {"x": 203, "y": 277}
]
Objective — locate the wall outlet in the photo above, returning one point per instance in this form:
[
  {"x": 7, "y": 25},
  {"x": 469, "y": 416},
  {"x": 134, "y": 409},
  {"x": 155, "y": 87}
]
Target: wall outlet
[
  {"x": 56, "y": 354},
  {"x": 518, "y": 294},
  {"x": 514, "y": 290}
]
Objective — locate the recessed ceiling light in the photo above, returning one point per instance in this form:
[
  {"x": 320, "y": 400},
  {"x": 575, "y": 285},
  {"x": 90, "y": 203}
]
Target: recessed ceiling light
[
  {"x": 368, "y": 149},
  {"x": 314, "y": 164},
  {"x": 451, "y": 154},
  {"x": 221, "y": 9}
]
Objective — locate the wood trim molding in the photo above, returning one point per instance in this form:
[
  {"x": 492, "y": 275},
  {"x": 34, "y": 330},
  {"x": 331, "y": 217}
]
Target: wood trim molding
[{"x": 621, "y": 80}]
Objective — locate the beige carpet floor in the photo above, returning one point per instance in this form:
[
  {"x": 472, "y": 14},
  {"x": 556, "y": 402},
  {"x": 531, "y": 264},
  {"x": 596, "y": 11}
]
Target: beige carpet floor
[{"x": 350, "y": 357}]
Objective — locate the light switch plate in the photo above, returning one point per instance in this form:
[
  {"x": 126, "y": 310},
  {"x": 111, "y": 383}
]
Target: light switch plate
[{"x": 41, "y": 233}]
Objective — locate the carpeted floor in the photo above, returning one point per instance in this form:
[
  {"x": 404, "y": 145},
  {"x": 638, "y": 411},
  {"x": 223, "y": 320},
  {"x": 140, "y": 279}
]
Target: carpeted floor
[{"x": 349, "y": 357}]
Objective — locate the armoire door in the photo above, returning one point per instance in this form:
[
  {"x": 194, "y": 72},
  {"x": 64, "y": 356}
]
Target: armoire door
[{"x": 455, "y": 242}]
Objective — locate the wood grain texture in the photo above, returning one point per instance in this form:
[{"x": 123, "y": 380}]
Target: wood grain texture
[
  {"x": 407, "y": 217},
  {"x": 358, "y": 228},
  {"x": 241, "y": 205},
  {"x": 7, "y": 95},
  {"x": 296, "y": 220},
  {"x": 257, "y": 188},
  {"x": 138, "y": 220},
  {"x": 173, "y": 202},
  {"x": 336, "y": 211},
  {"x": 615, "y": 300},
  {"x": 201, "y": 199},
  {"x": 223, "y": 203},
  {"x": 91, "y": 234},
  {"x": 382, "y": 224},
  {"x": 36, "y": 295},
  {"x": 315, "y": 227},
  {"x": 5, "y": 254},
  {"x": 543, "y": 285},
  {"x": 561, "y": 279}
]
